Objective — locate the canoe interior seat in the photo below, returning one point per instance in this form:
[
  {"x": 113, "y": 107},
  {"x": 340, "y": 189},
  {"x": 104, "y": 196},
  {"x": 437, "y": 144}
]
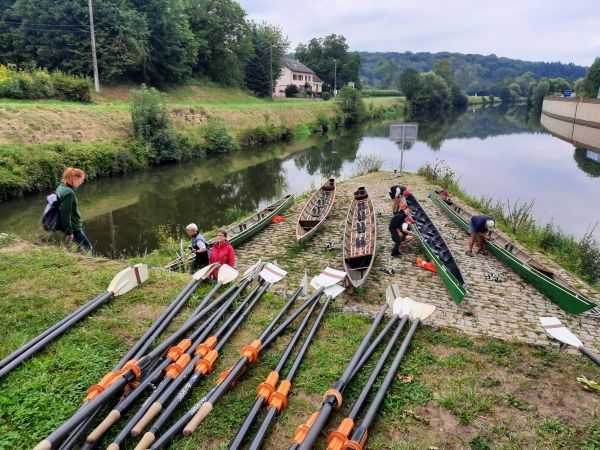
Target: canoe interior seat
[
  {"x": 359, "y": 262},
  {"x": 308, "y": 224}
]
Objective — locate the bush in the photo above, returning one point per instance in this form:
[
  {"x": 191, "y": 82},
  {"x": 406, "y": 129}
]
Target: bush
[
  {"x": 39, "y": 84},
  {"x": 438, "y": 172},
  {"x": 326, "y": 96},
  {"x": 381, "y": 93},
  {"x": 217, "y": 138},
  {"x": 152, "y": 124},
  {"x": 321, "y": 124},
  {"x": 264, "y": 134},
  {"x": 291, "y": 90},
  {"x": 350, "y": 106},
  {"x": 367, "y": 164}
]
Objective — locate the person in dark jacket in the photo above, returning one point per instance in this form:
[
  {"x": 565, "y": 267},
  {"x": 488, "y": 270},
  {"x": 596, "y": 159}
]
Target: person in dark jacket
[
  {"x": 482, "y": 226},
  {"x": 399, "y": 230},
  {"x": 70, "y": 219},
  {"x": 199, "y": 248},
  {"x": 398, "y": 194}
]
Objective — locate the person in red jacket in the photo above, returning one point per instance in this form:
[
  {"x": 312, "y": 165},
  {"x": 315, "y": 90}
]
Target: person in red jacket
[{"x": 222, "y": 252}]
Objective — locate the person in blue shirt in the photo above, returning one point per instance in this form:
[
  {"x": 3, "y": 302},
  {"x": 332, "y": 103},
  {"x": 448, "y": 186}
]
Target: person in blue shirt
[
  {"x": 199, "y": 248},
  {"x": 480, "y": 226}
]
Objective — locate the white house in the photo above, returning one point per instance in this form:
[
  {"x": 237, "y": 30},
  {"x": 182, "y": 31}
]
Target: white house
[{"x": 294, "y": 72}]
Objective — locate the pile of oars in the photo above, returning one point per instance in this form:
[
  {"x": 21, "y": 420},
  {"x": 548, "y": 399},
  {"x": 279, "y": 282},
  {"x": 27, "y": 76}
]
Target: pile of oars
[
  {"x": 347, "y": 436},
  {"x": 123, "y": 282},
  {"x": 138, "y": 370}
]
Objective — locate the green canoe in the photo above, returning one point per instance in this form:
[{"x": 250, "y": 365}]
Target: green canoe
[
  {"x": 549, "y": 283},
  {"x": 435, "y": 247},
  {"x": 245, "y": 230}
]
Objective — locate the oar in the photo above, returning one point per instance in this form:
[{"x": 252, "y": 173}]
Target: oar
[
  {"x": 201, "y": 364},
  {"x": 418, "y": 312},
  {"x": 114, "y": 383},
  {"x": 558, "y": 331},
  {"x": 267, "y": 388},
  {"x": 123, "y": 282},
  {"x": 177, "y": 427},
  {"x": 278, "y": 399},
  {"x": 307, "y": 434}
]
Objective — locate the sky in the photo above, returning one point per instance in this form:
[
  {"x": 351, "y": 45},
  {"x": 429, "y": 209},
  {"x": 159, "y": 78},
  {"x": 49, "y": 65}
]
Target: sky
[{"x": 532, "y": 30}]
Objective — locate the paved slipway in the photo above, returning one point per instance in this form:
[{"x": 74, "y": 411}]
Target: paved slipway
[{"x": 507, "y": 310}]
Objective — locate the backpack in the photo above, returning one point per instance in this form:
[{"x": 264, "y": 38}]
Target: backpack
[{"x": 51, "y": 217}]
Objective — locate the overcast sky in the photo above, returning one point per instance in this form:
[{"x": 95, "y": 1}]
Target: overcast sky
[{"x": 533, "y": 30}]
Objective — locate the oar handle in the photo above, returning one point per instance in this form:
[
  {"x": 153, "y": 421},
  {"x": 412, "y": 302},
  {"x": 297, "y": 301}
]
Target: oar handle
[{"x": 590, "y": 355}]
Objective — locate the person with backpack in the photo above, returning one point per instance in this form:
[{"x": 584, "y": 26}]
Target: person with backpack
[
  {"x": 70, "y": 219},
  {"x": 199, "y": 247}
]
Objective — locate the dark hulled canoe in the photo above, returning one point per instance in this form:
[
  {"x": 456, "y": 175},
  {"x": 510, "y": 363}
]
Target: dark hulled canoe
[
  {"x": 315, "y": 211},
  {"x": 360, "y": 238},
  {"x": 434, "y": 246},
  {"x": 243, "y": 231},
  {"x": 543, "y": 278}
]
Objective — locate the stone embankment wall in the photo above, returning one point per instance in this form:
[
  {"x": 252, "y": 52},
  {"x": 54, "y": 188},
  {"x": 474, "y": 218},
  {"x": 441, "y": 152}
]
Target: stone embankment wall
[
  {"x": 507, "y": 310},
  {"x": 574, "y": 119}
]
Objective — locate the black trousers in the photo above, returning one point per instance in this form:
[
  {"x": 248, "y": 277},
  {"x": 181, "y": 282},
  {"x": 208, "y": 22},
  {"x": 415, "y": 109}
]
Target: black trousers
[
  {"x": 200, "y": 261},
  {"x": 397, "y": 241}
]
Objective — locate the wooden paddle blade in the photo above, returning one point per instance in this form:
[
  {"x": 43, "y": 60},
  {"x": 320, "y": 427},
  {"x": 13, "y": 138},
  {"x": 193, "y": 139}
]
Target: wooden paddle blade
[
  {"x": 128, "y": 278},
  {"x": 252, "y": 270},
  {"x": 272, "y": 273},
  {"x": 391, "y": 294},
  {"x": 421, "y": 311},
  {"x": 558, "y": 331},
  {"x": 327, "y": 277},
  {"x": 334, "y": 291},
  {"x": 203, "y": 273},
  {"x": 227, "y": 274}
]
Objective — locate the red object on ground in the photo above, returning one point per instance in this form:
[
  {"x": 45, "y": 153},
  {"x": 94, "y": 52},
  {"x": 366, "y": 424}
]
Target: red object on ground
[
  {"x": 426, "y": 265},
  {"x": 277, "y": 219}
]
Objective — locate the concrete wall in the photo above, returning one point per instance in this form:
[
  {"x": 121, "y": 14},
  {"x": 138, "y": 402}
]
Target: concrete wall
[{"x": 574, "y": 119}]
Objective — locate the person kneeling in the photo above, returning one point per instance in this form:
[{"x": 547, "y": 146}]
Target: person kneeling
[{"x": 399, "y": 231}]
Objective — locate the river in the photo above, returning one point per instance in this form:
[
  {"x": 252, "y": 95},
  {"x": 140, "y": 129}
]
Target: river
[{"x": 494, "y": 152}]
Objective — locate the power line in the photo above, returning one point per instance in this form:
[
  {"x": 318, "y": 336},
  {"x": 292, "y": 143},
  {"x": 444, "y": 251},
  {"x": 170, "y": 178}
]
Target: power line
[{"x": 26, "y": 23}]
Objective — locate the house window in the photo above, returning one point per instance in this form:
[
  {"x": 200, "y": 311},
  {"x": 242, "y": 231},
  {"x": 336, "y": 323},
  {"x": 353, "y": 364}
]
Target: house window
[{"x": 308, "y": 78}]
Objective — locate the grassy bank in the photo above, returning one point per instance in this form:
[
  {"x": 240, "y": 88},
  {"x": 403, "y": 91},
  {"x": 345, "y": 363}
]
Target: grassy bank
[
  {"x": 39, "y": 139},
  {"x": 451, "y": 391}
]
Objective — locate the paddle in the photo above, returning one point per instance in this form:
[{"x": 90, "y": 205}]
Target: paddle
[
  {"x": 558, "y": 331},
  {"x": 122, "y": 283}
]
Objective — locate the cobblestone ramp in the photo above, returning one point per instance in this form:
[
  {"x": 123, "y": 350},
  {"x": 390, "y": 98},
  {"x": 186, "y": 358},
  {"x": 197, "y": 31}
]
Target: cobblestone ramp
[{"x": 507, "y": 310}]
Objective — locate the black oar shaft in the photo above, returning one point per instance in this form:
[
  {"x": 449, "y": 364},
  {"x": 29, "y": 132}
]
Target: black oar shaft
[
  {"x": 330, "y": 401},
  {"x": 590, "y": 355},
  {"x": 374, "y": 344},
  {"x": 361, "y": 431},
  {"x": 262, "y": 432},
  {"x": 238, "y": 440}
]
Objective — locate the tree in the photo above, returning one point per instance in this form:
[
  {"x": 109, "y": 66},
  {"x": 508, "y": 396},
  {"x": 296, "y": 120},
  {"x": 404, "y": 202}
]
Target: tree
[
  {"x": 351, "y": 107},
  {"x": 433, "y": 95},
  {"x": 388, "y": 71},
  {"x": 410, "y": 83},
  {"x": 541, "y": 89},
  {"x": 591, "y": 83}
]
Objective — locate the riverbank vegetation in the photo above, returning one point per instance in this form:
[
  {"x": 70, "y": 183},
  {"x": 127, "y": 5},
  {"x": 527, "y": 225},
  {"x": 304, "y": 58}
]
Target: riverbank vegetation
[
  {"x": 579, "y": 256},
  {"x": 37, "y": 84}
]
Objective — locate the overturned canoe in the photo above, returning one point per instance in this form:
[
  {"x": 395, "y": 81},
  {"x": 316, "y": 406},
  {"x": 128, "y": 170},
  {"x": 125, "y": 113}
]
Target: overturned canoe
[
  {"x": 542, "y": 277},
  {"x": 437, "y": 249},
  {"x": 315, "y": 211},
  {"x": 243, "y": 231},
  {"x": 360, "y": 238}
]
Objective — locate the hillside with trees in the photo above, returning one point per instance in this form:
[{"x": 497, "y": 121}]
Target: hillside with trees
[{"x": 475, "y": 74}]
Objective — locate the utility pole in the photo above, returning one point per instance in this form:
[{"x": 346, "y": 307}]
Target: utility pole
[
  {"x": 271, "y": 70},
  {"x": 335, "y": 78},
  {"x": 94, "y": 59}
]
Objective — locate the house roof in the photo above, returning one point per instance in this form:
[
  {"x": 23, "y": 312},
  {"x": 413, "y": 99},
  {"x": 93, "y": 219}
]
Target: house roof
[{"x": 297, "y": 66}]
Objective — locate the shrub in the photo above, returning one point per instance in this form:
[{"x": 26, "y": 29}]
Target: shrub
[
  {"x": 326, "y": 96},
  {"x": 152, "y": 124},
  {"x": 291, "y": 90},
  {"x": 68, "y": 87},
  {"x": 438, "y": 172},
  {"x": 381, "y": 93},
  {"x": 367, "y": 164},
  {"x": 264, "y": 134},
  {"x": 350, "y": 106},
  {"x": 320, "y": 124},
  {"x": 217, "y": 138}
]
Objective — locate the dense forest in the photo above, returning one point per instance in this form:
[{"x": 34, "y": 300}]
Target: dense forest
[{"x": 473, "y": 73}]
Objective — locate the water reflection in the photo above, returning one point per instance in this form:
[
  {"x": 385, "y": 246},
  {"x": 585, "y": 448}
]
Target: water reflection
[{"x": 495, "y": 152}]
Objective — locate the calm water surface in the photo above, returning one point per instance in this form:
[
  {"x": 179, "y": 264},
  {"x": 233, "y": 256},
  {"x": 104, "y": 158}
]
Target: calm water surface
[{"x": 494, "y": 152}]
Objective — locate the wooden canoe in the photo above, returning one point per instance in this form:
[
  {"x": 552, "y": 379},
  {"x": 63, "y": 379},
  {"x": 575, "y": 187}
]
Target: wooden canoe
[
  {"x": 556, "y": 288},
  {"x": 360, "y": 238},
  {"x": 315, "y": 211},
  {"x": 436, "y": 248},
  {"x": 243, "y": 231}
]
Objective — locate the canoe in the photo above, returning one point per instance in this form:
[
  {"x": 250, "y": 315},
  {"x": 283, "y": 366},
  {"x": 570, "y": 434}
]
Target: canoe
[
  {"x": 243, "y": 231},
  {"x": 542, "y": 277},
  {"x": 360, "y": 238},
  {"x": 436, "y": 248},
  {"x": 315, "y": 211}
]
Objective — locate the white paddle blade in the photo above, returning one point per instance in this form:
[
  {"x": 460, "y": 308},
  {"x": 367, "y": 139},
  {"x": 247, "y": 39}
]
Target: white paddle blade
[
  {"x": 272, "y": 274},
  {"x": 558, "y": 331},
  {"x": 327, "y": 277},
  {"x": 334, "y": 291},
  {"x": 391, "y": 294},
  {"x": 421, "y": 311},
  {"x": 127, "y": 279},
  {"x": 252, "y": 270},
  {"x": 404, "y": 306},
  {"x": 304, "y": 283},
  {"x": 227, "y": 274},
  {"x": 203, "y": 273}
]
